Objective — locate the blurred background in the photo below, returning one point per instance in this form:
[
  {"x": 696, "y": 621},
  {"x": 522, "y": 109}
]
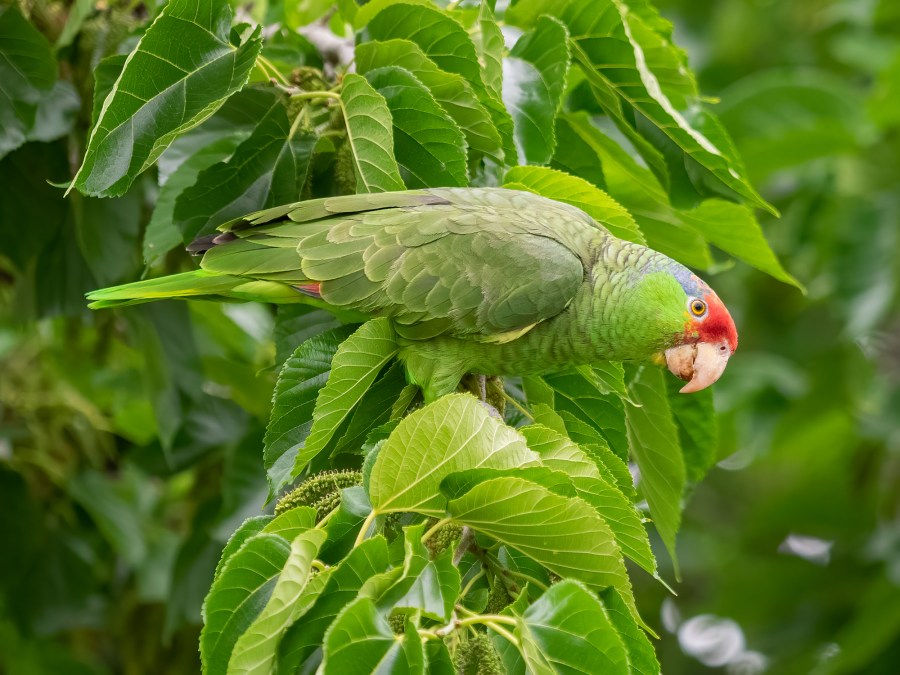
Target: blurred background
[{"x": 114, "y": 504}]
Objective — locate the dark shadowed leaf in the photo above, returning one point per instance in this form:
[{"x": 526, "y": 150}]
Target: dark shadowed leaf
[
  {"x": 27, "y": 73},
  {"x": 301, "y": 377},
  {"x": 653, "y": 439},
  {"x": 266, "y": 169}
]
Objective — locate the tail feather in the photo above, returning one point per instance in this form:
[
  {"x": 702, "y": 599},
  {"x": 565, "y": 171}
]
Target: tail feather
[{"x": 187, "y": 284}]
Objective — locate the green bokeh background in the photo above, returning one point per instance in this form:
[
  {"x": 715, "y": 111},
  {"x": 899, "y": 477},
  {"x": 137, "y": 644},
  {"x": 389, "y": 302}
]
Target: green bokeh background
[{"x": 111, "y": 525}]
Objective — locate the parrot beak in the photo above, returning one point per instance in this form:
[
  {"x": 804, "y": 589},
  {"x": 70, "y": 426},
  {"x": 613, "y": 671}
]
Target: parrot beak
[{"x": 701, "y": 363}]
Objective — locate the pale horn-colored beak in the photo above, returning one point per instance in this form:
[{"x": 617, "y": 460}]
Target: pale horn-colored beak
[{"x": 702, "y": 363}]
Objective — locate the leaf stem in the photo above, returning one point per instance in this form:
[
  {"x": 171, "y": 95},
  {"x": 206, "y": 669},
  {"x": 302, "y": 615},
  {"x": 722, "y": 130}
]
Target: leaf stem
[
  {"x": 486, "y": 618},
  {"x": 367, "y": 523},
  {"x": 438, "y": 525},
  {"x": 518, "y": 406},
  {"x": 327, "y": 517},
  {"x": 526, "y": 577},
  {"x": 502, "y": 631},
  {"x": 307, "y": 95},
  {"x": 471, "y": 583},
  {"x": 271, "y": 70}
]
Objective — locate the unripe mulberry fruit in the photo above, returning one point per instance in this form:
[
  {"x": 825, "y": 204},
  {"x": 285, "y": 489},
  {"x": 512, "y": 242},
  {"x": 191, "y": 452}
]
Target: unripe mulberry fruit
[
  {"x": 477, "y": 656},
  {"x": 443, "y": 539},
  {"x": 321, "y": 491}
]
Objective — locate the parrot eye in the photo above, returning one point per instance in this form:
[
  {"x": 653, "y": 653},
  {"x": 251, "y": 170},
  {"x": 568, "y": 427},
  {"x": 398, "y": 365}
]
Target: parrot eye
[{"x": 698, "y": 307}]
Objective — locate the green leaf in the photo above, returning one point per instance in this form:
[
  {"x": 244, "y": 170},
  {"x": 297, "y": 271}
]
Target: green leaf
[
  {"x": 575, "y": 157},
  {"x": 534, "y": 78},
  {"x": 238, "y": 595},
  {"x": 653, "y": 439},
  {"x": 452, "y": 434},
  {"x": 295, "y": 324},
  {"x": 447, "y": 43},
  {"x": 27, "y": 74},
  {"x": 641, "y": 657},
  {"x": 181, "y": 71},
  {"x": 106, "y": 74},
  {"x": 641, "y": 83},
  {"x": 698, "y": 428},
  {"x": 251, "y": 526},
  {"x": 301, "y": 639},
  {"x": 429, "y": 146},
  {"x": 780, "y": 119},
  {"x": 600, "y": 491},
  {"x": 579, "y": 396},
  {"x": 255, "y": 650},
  {"x": 304, "y": 12},
  {"x": 110, "y": 253},
  {"x": 56, "y": 114},
  {"x": 78, "y": 12},
  {"x": 162, "y": 235},
  {"x": 291, "y": 523},
  {"x": 354, "y": 368},
  {"x": 567, "y": 631},
  {"x": 266, "y": 169},
  {"x": 299, "y": 382},
  {"x": 489, "y": 46},
  {"x": 428, "y": 586},
  {"x": 361, "y": 641},
  {"x": 564, "y": 534},
  {"x": 451, "y": 91},
  {"x": 369, "y": 132},
  {"x": 577, "y": 192},
  {"x": 734, "y": 229}
]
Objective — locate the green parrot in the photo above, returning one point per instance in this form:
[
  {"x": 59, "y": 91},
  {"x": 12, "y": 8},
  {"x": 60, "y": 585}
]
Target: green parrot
[{"x": 475, "y": 280}]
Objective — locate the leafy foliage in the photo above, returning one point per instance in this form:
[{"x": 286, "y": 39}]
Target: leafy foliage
[{"x": 463, "y": 534}]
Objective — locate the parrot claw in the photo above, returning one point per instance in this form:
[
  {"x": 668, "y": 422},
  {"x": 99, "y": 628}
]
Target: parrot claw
[{"x": 701, "y": 364}]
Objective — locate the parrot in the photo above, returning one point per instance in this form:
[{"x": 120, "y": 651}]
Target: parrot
[{"x": 489, "y": 281}]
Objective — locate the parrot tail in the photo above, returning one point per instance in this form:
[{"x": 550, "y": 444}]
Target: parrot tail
[{"x": 187, "y": 284}]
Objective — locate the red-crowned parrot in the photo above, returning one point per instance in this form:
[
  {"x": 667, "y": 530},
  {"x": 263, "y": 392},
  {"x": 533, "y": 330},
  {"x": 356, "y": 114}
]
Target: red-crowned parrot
[{"x": 483, "y": 280}]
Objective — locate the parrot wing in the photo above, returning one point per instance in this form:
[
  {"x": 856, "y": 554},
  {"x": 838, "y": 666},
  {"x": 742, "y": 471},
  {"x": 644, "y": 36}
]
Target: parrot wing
[{"x": 487, "y": 264}]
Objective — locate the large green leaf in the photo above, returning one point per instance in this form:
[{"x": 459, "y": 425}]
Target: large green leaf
[
  {"x": 580, "y": 396},
  {"x": 238, "y": 595},
  {"x": 27, "y": 74},
  {"x": 454, "y": 94},
  {"x": 447, "y": 43},
  {"x": 641, "y": 657},
  {"x": 255, "y": 651},
  {"x": 489, "y": 46},
  {"x": 641, "y": 82},
  {"x": 577, "y": 192},
  {"x": 428, "y": 144},
  {"x": 565, "y": 534},
  {"x": 361, "y": 641},
  {"x": 299, "y": 382},
  {"x": 534, "y": 78},
  {"x": 454, "y": 433},
  {"x": 427, "y": 586},
  {"x": 181, "y": 71},
  {"x": 267, "y": 169},
  {"x": 567, "y": 631},
  {"x": 364, "y": 561},
  {"x": 559, "y": 453},
  {"x": 698, "y": 428},
  {"x": 370, "y": 136},
  {"x": 734, "y": 229},
  {"x": 354, "y": 368},
  {"x": 653, "y": 439},
  {"x": 162, "y": 235},
  {"x": 639, "y": 191}
]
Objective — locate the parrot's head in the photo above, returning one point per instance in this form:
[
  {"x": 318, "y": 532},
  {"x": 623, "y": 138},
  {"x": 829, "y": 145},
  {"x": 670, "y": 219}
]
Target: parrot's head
[{"x": 699, "y": 333}]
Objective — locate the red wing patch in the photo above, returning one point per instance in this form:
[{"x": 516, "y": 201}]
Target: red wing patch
[{"x": 312, "y": 290}]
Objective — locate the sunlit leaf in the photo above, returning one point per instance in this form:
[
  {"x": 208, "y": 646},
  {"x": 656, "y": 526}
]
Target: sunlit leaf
[
  {"x": 255, "y": 650},
  {"x": 452, "y": 434}
]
